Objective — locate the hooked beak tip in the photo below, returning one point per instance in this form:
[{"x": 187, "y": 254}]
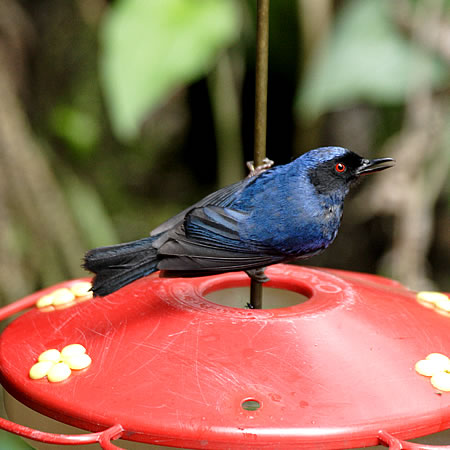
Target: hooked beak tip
[{"x": 375, "y": 165}]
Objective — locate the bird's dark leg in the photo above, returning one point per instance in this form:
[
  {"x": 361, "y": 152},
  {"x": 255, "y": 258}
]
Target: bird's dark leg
[
  {"x": 258, "y": 275},
  {"x": 267, "y": 164}
]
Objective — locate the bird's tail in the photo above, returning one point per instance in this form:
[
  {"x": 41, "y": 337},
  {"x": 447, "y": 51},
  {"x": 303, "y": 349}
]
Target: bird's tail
[{"x": 118, "y": 265}]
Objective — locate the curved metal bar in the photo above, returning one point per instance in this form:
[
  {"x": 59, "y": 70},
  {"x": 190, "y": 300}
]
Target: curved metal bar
[
  {"x": 17, "y": 306},
  {"x": 112, "y": 433},
  {"x": 102, "y": 437},
  {"x": 394, "y": 443}
]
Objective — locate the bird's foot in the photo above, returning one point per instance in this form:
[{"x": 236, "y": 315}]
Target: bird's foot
[
  {"x": 258, "y": 275},
  {"x": 267, "y": 164}
]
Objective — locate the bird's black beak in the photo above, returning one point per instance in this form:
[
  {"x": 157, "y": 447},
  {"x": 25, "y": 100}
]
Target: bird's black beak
[{"x": 374, "y": 165}]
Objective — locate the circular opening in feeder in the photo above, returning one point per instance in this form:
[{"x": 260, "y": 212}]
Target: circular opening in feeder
[
  {"x": 251, "y": 404},
  {"x": 239, "y": 297}
]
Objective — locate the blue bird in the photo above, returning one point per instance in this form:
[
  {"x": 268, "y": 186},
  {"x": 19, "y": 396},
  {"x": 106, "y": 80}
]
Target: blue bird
[{"x": 284, "y": 213}]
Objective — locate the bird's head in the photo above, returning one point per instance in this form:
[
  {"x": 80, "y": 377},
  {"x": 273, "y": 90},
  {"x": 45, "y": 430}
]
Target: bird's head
[{"x": 335, "y": 169}]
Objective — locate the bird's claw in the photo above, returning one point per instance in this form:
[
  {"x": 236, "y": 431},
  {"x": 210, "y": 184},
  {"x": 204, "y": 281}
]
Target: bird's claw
[
  {"x": 258, "y": 275},
  {"x": 267, "y": 164}
]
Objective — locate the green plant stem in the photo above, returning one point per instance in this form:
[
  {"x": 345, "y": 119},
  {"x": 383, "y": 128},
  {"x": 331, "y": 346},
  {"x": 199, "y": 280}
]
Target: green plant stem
[{"x": 224, "y": 87}]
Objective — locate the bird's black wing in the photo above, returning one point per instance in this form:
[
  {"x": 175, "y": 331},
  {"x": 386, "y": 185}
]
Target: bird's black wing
[
  {"x": 209, "y": 241},
  {"x": 223, "y": 198}
]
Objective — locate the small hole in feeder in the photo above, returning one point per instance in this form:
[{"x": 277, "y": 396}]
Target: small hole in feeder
[
  {"x": 251, "y": 404},
  {"x": 238, "y": 297}
]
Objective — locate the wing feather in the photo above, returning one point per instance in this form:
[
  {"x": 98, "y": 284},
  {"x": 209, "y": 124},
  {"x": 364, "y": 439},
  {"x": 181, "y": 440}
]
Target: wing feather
[
  {"x": 209, "y": 241},
  {"x": 222, "y": 198}
]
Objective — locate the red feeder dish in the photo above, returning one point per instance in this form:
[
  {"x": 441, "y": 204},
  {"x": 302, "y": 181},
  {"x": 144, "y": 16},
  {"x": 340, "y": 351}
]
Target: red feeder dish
[{"x": 169, "y": 367}]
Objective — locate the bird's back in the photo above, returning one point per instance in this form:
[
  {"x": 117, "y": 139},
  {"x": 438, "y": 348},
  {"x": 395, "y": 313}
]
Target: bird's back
[{"x": 286, "y": 213}]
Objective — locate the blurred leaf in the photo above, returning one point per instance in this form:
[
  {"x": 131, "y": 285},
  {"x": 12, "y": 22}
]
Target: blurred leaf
[
  {"x": 365, "y": 58},
  {"x": 79, "y": 129},
  {"x": 89, "y": 212},
  {"x": 152, "y": 47},
  {"x": 12, "y": 442}
]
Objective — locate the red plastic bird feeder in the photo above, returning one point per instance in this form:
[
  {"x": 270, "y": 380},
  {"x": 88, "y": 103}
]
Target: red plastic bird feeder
[{"x": 169, "y": 367}]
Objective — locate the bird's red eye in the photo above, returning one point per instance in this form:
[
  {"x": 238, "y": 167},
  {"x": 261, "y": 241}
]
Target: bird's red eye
[{"x": 340, "y": 167}]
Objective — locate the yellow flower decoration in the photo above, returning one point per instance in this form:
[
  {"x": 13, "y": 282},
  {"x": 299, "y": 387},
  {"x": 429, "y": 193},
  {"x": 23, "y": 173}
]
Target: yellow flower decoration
[
  {"x": 58, "y": 365},
  {"x": 65, "y": 297},
  {"x": 436, "y": 366},
  {"x": 437, "y": 300}
]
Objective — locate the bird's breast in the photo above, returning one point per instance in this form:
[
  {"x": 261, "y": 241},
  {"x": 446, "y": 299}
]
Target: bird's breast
[
  {"x": 295, "y": 231},
  {"x": 331, "y": 220}
]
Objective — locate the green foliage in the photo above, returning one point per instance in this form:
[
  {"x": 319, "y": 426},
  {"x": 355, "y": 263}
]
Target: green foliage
[
  {"x": 152, "y": 47},
  {"x": 77, "y": 128},
  {"x": 89, "y": 212},
  {"x": 365, "y": 58},
  {"x": 11, "y": 442}
]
